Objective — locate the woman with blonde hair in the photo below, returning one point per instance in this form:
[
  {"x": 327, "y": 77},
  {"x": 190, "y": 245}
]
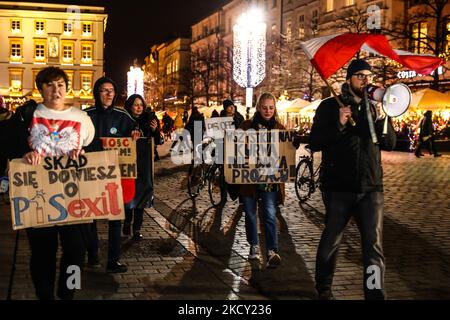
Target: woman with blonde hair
[{"x": 271, "y": 194}]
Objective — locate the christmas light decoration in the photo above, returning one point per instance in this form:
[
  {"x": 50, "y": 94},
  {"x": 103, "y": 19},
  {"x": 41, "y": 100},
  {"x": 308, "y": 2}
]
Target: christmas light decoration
[
  {"x": 135, "y": 83},
  {"x": 249, "y": 52}
]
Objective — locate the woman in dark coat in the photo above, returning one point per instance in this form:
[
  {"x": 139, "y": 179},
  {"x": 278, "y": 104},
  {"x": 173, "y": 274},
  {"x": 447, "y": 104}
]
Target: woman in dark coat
[{"x": 148, "y": 124}]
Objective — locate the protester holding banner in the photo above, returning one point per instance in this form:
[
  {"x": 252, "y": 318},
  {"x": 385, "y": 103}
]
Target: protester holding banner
[
  {"x": 148, "y": 124},
  {"x": 109, "y": 121},
  {"x": 51, "y": 128},
  {"x": 351, "y": 178},
  {"x": 271, "y": 194}
]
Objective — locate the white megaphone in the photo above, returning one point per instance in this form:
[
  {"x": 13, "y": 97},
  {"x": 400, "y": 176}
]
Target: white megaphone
[{"x": 395, "y": 99}]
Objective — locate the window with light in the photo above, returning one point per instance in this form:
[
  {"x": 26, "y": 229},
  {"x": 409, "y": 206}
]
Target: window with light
[
  {"x": 86, "y": 53},
  {"x": 289, "y": 31},
  {"x": 35, "y": 92},
  {"x": 15, "y": 80},
  {"x": 70, "y": 80},
  {"x": 16, "y": 26},
  {"x": 447, "y": 45},
  {"x": 330, "y": 5},
  {"x": 68, "y": 28},
  {"x": 39, "y": 52},
  {"x": 39, "y": 27},
  {"x": 16, "y": 51},
  {"x": 87, "y": 29},
  {"x": 86, "y": 82},
  {"x": 301, "y": 26},
  {"x": 67, "y": 52},
  {"x": 419, "y": 37}
]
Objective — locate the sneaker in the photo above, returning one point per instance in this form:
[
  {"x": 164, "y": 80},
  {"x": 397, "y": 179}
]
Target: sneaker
[
  {"x": 137, "y": 236},
  {"x": 273, "y": 259},
  {"x": 254, "y": 253},
  {"x": 116, "y": 267},
  {"x": 126, "y": 229}
]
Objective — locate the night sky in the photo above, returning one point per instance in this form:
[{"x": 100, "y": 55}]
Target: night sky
[{"x": 133, "y": 27}]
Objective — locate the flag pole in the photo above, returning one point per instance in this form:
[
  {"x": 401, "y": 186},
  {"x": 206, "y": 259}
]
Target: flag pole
[{"x": 341, "y": 104}]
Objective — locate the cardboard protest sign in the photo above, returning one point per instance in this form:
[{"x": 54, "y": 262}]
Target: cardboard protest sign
[
  {"x": 127, "y": 154},
  {"x": 259, "y": 157},
  {"x": 143, "y": 194},
  {"x": 61, "y": 190},
  {"x": 215, "y": 127}
]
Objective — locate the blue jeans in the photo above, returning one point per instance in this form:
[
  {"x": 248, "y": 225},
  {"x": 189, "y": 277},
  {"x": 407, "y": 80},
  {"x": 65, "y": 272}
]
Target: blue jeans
[{"x": 269, "y": 208}]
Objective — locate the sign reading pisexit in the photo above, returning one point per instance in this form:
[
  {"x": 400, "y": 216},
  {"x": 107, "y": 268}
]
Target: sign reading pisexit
[
  {"x": 259, "y": 157},
  {"x": 63, "y": 191},
  {"x": 215, "y": 127},
  {"x": 126, "y": 148}
]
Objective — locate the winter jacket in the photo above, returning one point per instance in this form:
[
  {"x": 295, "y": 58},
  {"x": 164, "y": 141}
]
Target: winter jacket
[
  {"x": 143, "y": 125},
  {"x": 14, "y": 132},
  {"x": 351, "y": 162},
  {"x": 237, "y": 118},
  {"x": 250, "y": 190},
  {"x": 190, "y": 126},
  {"x": 109, "y": 122}
]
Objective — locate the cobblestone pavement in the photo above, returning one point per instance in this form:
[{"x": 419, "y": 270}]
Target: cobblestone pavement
[{"x": 194, "y": 251}]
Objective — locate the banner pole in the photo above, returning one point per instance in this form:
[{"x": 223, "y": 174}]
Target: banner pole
[{"x": 341, "y": 104}]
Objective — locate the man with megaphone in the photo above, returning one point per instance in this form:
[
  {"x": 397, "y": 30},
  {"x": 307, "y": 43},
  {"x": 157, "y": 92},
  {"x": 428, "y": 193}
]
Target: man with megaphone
[{"x": 352, "y": 177}]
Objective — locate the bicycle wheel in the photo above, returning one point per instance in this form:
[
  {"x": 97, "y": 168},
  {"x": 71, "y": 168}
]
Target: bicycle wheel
[
  {"x": 304, "y": 182},
  {"x": 195, "y": 179},
  {"x": 215, "y": 186}
]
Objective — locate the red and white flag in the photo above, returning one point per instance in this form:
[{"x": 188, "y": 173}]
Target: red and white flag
[{"x": 329, "y": 53}]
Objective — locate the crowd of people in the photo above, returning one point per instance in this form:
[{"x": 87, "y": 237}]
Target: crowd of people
[{"x": 352, "y": 181}]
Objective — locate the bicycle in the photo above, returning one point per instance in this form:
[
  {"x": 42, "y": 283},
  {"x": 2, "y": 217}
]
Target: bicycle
[
  {"x": 206, "y": 173},
  {"x": 307, "y": 179}
]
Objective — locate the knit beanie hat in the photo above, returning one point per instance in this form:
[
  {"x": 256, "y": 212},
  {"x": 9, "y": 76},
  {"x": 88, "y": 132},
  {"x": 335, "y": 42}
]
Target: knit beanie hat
[
  {"x": 357, "y": 65},
  {"x": 227, "y": 103}
]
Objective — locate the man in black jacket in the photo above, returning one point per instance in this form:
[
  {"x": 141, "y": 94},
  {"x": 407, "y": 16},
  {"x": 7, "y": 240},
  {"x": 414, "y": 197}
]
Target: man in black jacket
[
  {"x": 109, "y": 121},
  {"x": 352, "y": 178},
  {"x": 230, "y": 110}
]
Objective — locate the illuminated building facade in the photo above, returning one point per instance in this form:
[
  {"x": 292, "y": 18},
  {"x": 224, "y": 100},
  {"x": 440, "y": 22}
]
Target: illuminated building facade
[{"x": 37, "y": 35}]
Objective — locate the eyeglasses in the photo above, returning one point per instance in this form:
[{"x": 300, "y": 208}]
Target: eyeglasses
[
  {"x": 107, "y": 91},
  {"x": 362, "y": 76}
]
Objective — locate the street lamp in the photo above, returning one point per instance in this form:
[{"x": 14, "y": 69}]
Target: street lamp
[{"x": 249, "y": 53}]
